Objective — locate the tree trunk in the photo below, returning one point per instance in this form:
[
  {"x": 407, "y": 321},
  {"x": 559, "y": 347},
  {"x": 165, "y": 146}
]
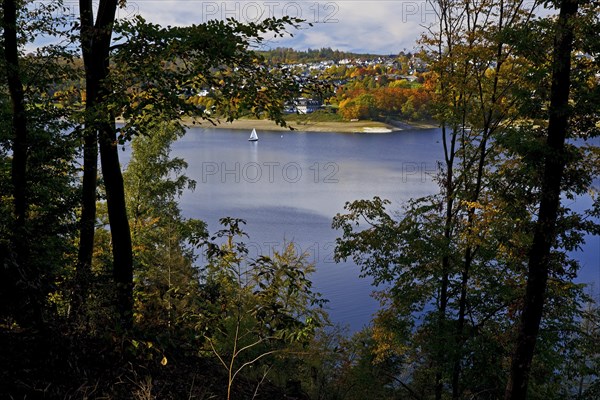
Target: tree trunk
[
  {"x": 88, "y": 218},
  {"x": 27, "y": 298},
  {"x": 545, "y": 228},
  {"x": 95, "y": 48},
  {"x": 449, "y": 154},
  {"x": 87, "y": 221},
  {"x": 19, "y": 119},
  {"x": 119, "y": 224}
]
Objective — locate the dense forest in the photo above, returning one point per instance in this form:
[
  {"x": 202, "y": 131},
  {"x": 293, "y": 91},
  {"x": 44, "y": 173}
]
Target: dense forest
[{"x": 108, "y": 291}]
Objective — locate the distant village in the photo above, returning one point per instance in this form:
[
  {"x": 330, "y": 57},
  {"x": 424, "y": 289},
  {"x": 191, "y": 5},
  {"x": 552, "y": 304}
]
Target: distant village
[{"x": 353, "y": 71}]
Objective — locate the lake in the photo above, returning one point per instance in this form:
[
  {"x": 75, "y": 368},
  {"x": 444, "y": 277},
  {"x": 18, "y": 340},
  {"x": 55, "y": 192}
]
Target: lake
[{"x": 288, "y": 186}]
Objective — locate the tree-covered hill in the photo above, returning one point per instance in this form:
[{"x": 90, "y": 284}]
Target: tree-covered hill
[{"x": 286, "y": 55}]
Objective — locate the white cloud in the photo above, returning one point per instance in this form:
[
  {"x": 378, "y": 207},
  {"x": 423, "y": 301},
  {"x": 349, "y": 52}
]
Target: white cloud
[{"x": 352, "y": 25}]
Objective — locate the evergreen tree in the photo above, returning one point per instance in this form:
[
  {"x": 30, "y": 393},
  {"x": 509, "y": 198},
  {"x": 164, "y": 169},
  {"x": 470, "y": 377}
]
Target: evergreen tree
[{"x": 166, "y": 280}]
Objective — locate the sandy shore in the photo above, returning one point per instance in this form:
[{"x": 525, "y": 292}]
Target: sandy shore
[
  {"x": 363, "y": 126},
  {"x": 350, "y": 127}
]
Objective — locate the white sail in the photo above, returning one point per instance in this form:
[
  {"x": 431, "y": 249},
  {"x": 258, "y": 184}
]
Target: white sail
[{"x": 253, "y": 136}]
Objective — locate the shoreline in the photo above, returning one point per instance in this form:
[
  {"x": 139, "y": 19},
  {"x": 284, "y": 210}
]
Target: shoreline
[{"x": 363, "y": 126}]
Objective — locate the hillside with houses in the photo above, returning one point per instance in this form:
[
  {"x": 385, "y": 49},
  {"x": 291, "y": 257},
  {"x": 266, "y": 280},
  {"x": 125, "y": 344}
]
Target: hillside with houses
[{"x": 358, "y": 86}]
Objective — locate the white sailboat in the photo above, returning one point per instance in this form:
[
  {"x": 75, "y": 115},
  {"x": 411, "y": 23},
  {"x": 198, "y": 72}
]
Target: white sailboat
[{"x": 253, "y": 136}]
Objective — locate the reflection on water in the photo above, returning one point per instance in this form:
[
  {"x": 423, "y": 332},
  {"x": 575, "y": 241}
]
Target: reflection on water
[{"x": 288, "y": 187}]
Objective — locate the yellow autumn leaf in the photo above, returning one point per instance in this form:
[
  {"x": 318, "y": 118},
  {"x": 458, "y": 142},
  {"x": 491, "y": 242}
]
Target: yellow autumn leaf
[{"x": 164, "y": 360}]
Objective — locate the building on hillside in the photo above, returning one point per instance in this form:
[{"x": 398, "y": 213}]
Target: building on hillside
[
  {"x": 303, "y": 105},
  {"x": 307, "y": 106}
]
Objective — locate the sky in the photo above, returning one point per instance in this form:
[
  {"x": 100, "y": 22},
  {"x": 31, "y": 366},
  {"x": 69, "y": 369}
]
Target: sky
[{"x": 362, "y": 26}]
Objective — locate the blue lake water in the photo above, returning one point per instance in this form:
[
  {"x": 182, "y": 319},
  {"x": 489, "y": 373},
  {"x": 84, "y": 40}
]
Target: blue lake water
[{"x": 289, "y": 185}]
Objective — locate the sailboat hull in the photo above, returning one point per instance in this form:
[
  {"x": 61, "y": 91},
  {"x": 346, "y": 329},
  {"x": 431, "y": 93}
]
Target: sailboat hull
[{"x": 253, "y": 136}]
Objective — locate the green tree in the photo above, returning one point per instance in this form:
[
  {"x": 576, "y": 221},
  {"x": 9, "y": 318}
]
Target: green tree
[
  {"x": 256, "y": 309},
  {"x": 545, "y": 232},
  {"x": 166, "y": 290},
  {"x": 476, "y": 73},
  {"x": 454, "y": 262},
  {"x": 408, "y": 109},
  {"x": 582, "y": 365},
  {"x": 141, "y": 79},
  {"x": 38, "y": 144},
  {"x": 20, "y": 133}
]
